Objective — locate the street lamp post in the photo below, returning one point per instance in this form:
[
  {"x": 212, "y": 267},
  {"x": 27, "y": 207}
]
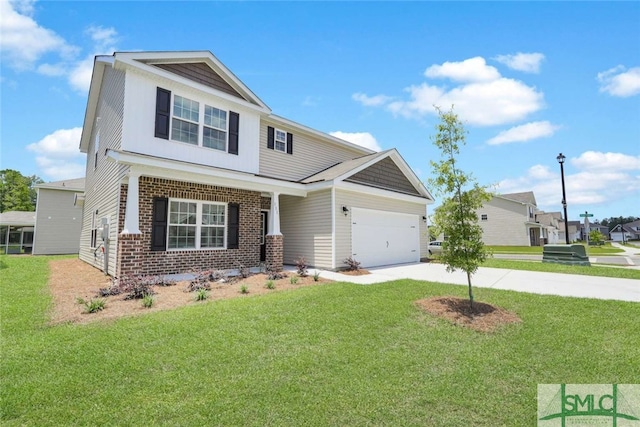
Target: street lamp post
[{"x": 560, "y": 159}]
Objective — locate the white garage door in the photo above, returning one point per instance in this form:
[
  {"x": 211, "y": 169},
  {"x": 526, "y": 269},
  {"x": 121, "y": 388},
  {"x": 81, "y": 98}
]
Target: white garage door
[{"x": 383, "y": 238}]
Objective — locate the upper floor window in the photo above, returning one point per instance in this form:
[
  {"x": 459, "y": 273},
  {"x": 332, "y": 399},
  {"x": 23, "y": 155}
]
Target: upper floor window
[
  {"x": 214, "y": 134},
  {"x": 280, "y": 140},
  {"x": 196, "y": 123},
  {"x": 185, "y": 121}
]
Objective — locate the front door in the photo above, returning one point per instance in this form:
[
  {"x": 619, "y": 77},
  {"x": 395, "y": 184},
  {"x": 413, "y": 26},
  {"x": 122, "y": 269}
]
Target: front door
[{"x": 264, "y": 215}]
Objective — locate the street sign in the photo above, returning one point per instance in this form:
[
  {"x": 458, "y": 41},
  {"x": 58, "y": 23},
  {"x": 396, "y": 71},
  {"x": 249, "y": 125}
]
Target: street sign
[{"x": 586, "y": 215}]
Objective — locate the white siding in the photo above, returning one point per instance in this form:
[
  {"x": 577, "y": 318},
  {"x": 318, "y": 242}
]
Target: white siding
[
  {"x": 352, "y": 199},
  {"x": 310, "y": 155},
  {"x": 102, "y": 185},
  {"x": 58, "y": 223},
  {"x": 139, "y": 126},
  {"x": 505, "y": 224},
  {"x": 305, "y": 223}
]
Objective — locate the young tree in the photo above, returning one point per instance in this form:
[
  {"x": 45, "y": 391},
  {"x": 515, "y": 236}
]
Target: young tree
[
  {"x": 456, "y": 217},
  {"x": 596, "y": 236}
]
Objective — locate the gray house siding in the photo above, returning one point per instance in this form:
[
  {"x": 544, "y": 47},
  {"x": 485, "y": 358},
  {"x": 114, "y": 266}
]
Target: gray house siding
[
  {"x": 305, "y": 223},
  {"x": 201, "y": 73},
  {"x": 103, "y": 180},
  {"x": 310, "y": 155},
  {"x": 58, "y": 223},
  {"x": 384, "y": 174},
  {"x": 505, "y": 223}
]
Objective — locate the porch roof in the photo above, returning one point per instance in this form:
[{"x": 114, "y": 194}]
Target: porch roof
[{"x": 20, "y": 218}]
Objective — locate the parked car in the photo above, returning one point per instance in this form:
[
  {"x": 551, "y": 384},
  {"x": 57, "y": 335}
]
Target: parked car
[{"x": 435, "y": 247}]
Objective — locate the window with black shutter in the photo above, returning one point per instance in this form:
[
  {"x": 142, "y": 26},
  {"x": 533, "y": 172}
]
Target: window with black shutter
[
  {"x": 233, "y": 226},
  {"x": 159, "y": 224},
  {"x": 279, "y": 140},
  {"x": 234, "y": 130},
  {"x": 163, "y": 113}
]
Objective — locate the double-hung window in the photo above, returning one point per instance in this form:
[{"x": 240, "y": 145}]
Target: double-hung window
[
  {"x": 185, "y": 121},
  {"x": 196, "y": 225},
  {"x": 280, "y": 140},
  {"x": 214, "y": 133}
]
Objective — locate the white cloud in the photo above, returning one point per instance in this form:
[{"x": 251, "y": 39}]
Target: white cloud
[
  {"x": 80, "y": 72},
  {"x": 484, "y": 104},
  {"x": 58, "y": 155},
  {"x": 599, "y": 178},
  {"x": 596, "y": 160},
  {"x": 469, "y": 70},
  {"x": 527, "y": 62},
  {"x": 484, "y": 98},
  {"x": 370, "y": 101},
  {"x": 524, "y": 133},
  {"x": 620, "y": 82},
  {"x": 23, "y": 42},
  {"x": 364, "y": 139}
]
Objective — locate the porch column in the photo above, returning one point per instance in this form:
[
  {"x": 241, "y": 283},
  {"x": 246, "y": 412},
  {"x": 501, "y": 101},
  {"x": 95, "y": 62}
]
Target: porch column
[
  {"x": 132, "y": 211},
  {"x": 274, "y": 240}
]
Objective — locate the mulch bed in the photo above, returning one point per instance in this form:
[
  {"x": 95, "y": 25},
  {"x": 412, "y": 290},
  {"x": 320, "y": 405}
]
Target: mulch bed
[{"x": 483, "y": 318}]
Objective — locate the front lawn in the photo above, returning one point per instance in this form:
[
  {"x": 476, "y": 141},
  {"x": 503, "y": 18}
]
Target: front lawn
[
  {"x": 607, "y": 249},
  {"x": 336, "y": 354},
  {"x": 593, "y": 270}
]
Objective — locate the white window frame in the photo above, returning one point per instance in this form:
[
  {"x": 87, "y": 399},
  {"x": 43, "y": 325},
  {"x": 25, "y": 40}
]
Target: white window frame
[
  {"x": 93, "y": 243},
  {"x": 276, "y": 140},
  {"x": 198, "y": 225},
  {"x": 201, "y": 123},
  {"x": 96, "y": 148}
]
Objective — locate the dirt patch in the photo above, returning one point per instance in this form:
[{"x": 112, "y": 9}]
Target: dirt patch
[
  {"x": 358, "y": 272},
  {"x": 483, "y": 318},
  {"x": 71, "y": 279}
]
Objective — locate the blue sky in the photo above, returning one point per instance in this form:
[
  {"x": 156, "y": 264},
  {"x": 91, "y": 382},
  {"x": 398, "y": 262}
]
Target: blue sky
[{"x": 529, "y": 80}]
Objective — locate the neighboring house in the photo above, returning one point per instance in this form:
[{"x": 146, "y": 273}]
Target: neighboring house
[
  {"x": 625, "y": 232},
  {"x": 574, "y": 231},
  {"x": 509, "y": 220},
  {"x": 550, "y": 222},
  {"x": 58, "y": 217},
  {"x": 603, "y": 229},
  {"x": 188, "y": 170},
  {"x": 16, "y": 232}
]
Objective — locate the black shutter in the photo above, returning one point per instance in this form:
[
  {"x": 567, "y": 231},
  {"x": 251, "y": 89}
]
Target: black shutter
[
  {"x": 163, "y": 112},
  {"x": 289, "y": 143},
  {"x": 270, "y": 137},
  {"x": 159, "y": 224},
  {"x": 233, "y": 226},
  {"x": 234, "y": 125}
]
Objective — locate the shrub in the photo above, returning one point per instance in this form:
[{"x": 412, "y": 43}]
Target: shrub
[
  {"x": 244, "y": 289},
  {"x": 293, "y": 280},
  {"x": 199, "y": 282},
  {"x": 137, "y": 287},
  {"x": 110, "y": 291},
  {"x": 243, "y": 271},
  {"x": 352, "y": 264},
  {"x": 301, "y": 265},
  {"x": 147, "y": 301},
  {"x": 93, "y": 305},
  {"x": 316, "y": 276},
  {"x": 217, "y": 276},
  {"x": 273, "y": 274},
  {"x": 270, "y": 284},
  {"x": 202, "y": 294}
]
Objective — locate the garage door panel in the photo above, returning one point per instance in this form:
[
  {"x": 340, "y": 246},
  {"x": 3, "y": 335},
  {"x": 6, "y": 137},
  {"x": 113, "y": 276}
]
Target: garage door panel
[{"x": 383, "y": 238}]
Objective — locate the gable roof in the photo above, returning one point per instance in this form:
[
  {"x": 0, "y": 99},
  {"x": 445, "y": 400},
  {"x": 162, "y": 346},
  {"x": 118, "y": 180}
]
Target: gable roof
[
  {"x": 76, "y": 184},
  {"x": 524, "y": 197},
  {"x": 397, "y": 175},
  {"x": 18, "y": 218}
]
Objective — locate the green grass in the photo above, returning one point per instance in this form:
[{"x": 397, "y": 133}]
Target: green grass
[
  {"x": 591, "y": 250},
  {"x": 593, "y": 270},
  {"x": 335, "y": 354}
]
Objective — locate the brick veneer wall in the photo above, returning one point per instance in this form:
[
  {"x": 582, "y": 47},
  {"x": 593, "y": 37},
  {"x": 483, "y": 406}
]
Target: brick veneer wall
[
  {"x": 274, "y": 258},
  {"x": 136, "y": 257}
]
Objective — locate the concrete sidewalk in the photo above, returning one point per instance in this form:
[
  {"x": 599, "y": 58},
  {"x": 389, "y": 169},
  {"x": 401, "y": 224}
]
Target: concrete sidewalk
[{"x": 568, "y": 285}]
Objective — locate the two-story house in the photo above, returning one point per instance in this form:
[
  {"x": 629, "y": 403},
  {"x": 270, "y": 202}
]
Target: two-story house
[
  {"x": 510, "y": 220},
  {"x": 188, "y": 170}
]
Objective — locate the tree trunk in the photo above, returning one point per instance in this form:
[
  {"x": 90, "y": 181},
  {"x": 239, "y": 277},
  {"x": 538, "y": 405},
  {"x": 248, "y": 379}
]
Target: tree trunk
[{"x": 470, "y": 291}]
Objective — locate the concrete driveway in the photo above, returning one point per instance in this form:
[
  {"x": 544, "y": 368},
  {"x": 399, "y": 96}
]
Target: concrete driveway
[{"x": 568, "y": 285}]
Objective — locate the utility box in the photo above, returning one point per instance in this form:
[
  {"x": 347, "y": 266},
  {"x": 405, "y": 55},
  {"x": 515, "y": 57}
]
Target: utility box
[{"x": 565, "y": 254}]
